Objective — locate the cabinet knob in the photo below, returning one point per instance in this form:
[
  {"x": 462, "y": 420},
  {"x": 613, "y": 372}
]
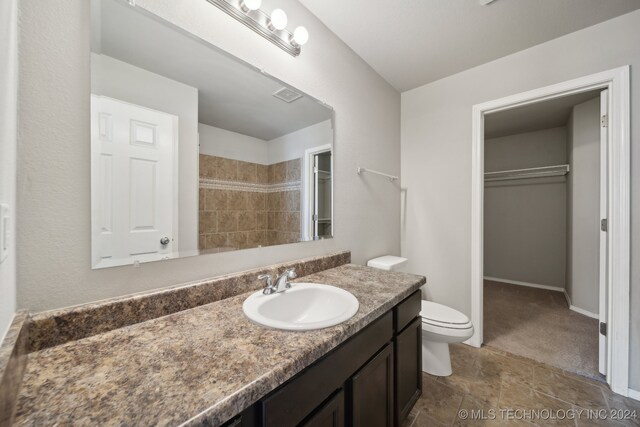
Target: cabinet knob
[{"x": 164, "y": 241}]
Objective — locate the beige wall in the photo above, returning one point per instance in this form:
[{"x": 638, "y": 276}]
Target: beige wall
[
  {"x": 525, "y": 220},
  {"x": 436, "y": 153},
  {"x": 8, "y": 110},
  {"x": 294, "y": 144},
  {"x": 232, "y": 145},
  {"x": 53, "y": 169},
  {"x": 546, "y": 147},
  {"x": 583, "y": 259}
]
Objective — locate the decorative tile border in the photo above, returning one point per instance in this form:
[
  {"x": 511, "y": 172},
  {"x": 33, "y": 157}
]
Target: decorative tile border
[
  {"x": 218, "y": 184},
  {"x": 13, "y": 361},
  {"x": 56, "y": 327}
]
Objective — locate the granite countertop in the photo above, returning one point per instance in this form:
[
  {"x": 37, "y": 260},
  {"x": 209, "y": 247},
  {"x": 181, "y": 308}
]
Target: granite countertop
[{"x": 202, "y": 365}]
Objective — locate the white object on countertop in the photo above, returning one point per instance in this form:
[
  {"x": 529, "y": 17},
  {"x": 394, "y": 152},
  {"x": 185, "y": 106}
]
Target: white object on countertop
[{"x": 387, "y": 262}]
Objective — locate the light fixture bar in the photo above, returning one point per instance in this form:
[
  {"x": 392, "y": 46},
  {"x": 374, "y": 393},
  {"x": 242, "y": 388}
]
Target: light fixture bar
[{"x": 259, "y": 22}]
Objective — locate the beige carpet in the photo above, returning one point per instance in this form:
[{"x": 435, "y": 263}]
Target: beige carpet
[{"x": 537, "y": 323}]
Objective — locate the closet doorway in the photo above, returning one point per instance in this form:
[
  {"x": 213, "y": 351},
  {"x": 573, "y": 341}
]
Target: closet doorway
[
  {"x": 614, "y": 319},
  {"x": 542, "y": 211}
]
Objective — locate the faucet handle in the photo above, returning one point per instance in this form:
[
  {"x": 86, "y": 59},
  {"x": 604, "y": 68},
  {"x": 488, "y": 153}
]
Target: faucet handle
[
  {"x": 268, "y": 282},
  {"x": 289, "y": 274}
]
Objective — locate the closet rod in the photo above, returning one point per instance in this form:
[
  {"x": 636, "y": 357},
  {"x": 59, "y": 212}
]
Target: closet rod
[{"x": 545, "y": 171}]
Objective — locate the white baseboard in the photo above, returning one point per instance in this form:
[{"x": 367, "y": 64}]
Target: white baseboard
[
  {"x": 634, "y": 394},
  {"x": 549, "y": 288},
  {"x": 578, "y": 309},
  {"x": 566, "y": 296},
  {"x": 584, "y": 312},
  {"x": 519, "y": 283}
]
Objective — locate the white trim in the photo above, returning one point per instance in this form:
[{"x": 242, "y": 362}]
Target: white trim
[
  {"x": 530, "y": 285},
  {"x": 568, "y": 298},
  {"x": 617, "y": 81},
  {"x": 175, "y": 234},
  {"x": 584, "y": 312},
  {"x": 602, "y": 235},
  {"x": 307, "y": 186},
  {"x": 580, "y": 310},
  {"x": 634, "y": 394},
  {"x": 477, "y": 224}
]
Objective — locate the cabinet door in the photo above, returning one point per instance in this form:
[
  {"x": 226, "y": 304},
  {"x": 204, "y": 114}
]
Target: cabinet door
[
  {"x": 330, "y": 414},
  {"x": 408, "y": 369},
  {"x": 372, "y": 391}
]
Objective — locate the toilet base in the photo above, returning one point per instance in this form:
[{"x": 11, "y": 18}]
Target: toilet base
[{"x": 436, "y": 359}]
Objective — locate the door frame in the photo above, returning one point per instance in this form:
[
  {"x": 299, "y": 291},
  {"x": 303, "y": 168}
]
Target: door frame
[
  {"x": 602, "y": 233},
  {"x": 617, "y": 82},
  {"x": 307, "y": 173}
]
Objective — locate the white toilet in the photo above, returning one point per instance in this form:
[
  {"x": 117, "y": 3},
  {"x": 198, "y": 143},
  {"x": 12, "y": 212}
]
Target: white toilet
[{"x": 441, "y": 325}]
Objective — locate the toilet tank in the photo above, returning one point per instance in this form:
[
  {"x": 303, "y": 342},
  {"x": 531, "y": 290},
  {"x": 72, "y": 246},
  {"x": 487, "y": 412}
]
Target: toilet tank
[{"x": 388, "y": 262}]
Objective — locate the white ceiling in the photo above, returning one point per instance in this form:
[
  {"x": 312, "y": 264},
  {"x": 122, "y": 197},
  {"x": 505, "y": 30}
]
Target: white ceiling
[
  {"x": 532, "y": 117},
  {"x": 231, "y": 95},
  {"x": 414, "y": 42}
]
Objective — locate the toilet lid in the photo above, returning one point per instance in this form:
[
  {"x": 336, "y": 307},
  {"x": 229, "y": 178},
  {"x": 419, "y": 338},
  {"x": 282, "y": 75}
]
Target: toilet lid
[{"x": 441, "y": 315}]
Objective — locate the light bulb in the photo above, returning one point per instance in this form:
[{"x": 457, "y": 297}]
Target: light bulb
[
  {"x": 300, "y": 35},
  {"x": 278, "y": 19},
  {"x": 251, "y": 4}
]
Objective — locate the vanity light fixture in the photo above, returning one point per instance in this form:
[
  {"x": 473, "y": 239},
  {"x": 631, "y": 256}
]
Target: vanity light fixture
[
  {"x": 300, "y": 36},
  {"x": 248, "y": 5},
  {"x": 278, "y": 20},
  {"x": 273, "y": 27}
]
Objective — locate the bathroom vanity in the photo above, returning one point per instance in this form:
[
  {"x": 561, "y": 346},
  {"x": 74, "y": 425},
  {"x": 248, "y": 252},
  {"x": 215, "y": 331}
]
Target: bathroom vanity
[
  {"x": 210, "y": 365},
  {"x": 374, "y": 378}
]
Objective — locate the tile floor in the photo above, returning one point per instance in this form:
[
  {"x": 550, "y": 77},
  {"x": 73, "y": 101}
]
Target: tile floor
[{"x": 488, "y": 378}]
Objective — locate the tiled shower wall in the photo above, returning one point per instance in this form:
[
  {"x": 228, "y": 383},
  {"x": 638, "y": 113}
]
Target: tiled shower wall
[{"x": 246, "y": 205}]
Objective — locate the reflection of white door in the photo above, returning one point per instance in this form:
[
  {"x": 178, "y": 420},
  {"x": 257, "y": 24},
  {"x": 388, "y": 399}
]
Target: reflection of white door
[{"x": 132, "y": 183}]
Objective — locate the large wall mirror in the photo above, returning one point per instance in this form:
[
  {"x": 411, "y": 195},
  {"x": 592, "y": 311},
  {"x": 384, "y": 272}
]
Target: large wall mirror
[{"x": 193, "y": 151}]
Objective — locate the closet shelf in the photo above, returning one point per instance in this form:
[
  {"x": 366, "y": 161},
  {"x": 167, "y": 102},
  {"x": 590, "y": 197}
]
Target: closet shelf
[{"x": 545, "y": 171}]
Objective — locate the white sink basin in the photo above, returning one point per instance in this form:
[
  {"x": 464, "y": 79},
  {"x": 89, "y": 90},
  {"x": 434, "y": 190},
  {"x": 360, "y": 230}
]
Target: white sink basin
[{"x": 303, "y": 307}]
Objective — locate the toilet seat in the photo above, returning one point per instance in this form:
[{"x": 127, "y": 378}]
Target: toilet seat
[{"x": 440, "y": 316}]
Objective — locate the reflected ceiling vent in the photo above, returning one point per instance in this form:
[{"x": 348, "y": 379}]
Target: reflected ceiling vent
[{"x": 287, "y": 95}]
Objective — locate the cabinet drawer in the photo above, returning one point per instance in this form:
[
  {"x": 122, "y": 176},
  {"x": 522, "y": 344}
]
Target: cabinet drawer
[
  {"x": 406, "y": 311},
  {"x": 300, "y": 396}
]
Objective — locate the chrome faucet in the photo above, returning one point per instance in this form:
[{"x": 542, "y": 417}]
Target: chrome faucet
[{"x": 281, "y": 284}]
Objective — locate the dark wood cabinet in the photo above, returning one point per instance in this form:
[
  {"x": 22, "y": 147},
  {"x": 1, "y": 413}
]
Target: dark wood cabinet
[
  {"x": 372, "y": 379},
  {"x": 371, "y": 392},
  {"x": 408, "y": 369},
  {"x": 330, "y": 413},
  {"x": 293, "y": 401},
  {"x": 407, "y": 311}
]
